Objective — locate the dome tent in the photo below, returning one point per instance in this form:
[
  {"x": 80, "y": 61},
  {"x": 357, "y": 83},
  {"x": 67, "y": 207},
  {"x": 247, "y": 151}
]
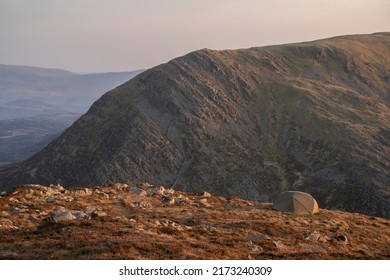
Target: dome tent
[{"x": 295, "y": 202}]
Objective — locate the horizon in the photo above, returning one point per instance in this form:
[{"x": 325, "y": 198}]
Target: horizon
[{"x": 95, "y": 36}]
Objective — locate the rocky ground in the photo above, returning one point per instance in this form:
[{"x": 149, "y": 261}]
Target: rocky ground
[{"x": 151, "y": 222}]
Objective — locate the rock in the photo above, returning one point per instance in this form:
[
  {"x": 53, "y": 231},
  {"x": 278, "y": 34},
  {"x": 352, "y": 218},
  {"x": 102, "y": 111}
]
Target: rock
[
  {"x": 3, "y": 193},
  {"x": 258, "y": 236},
  {"x": 120, "y": 186},
  {"x": 79, "y": 193},
  {"x": 104, "y": 195},
  {"x": 52, "y": 198},
  {"x": 157, "y": 190},
  {"x": 57, "y": 187},
  {"x": 254, "y": 246},
  {"x": 168, "y": 200},
  {"x": 206, "y": 194},
  {"x": 169, "y": 191},
  {"x": 60, "y": 208},
  {"x": 14, "y": 209},
  {"x": 80, "y": 215},
  {"x": 280, "y": 245},
  {"x": 98, "y": 214},
  {"x": 87, "y": 191},
  {"x": 138, "y": 191},
  {"x": 212, "y": 229},
  {"x": 63, "y": 216},
  {"x": 316, "y": 236},
  {"x": 341, "y": 238}
]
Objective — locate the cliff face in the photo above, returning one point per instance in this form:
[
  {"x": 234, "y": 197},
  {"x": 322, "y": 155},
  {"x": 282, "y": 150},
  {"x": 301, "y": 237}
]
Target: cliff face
[{"x": 311, "y": 116}]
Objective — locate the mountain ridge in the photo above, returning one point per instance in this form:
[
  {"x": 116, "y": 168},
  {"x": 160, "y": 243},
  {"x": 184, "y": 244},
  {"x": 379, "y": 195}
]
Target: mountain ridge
[{"x": 252, "y": 122}]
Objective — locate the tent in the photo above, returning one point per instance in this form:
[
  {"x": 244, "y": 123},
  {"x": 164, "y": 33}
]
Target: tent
[{"x": 295, "y": 202}]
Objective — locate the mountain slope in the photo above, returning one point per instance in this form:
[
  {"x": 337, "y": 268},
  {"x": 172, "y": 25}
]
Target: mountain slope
[
  {"x": 22, "y": 138},
  {"x": 310, "y": 116}
]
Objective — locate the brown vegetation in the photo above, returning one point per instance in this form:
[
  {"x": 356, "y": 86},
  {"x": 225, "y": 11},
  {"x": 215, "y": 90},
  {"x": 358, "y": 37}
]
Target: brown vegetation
[{"x": 150, "y": 222}]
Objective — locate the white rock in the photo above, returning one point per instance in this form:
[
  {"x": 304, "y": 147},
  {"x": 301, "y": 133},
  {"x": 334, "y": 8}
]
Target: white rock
[
  {"x": 87, "y": 191},
  {"x": 169, "y": 191},
  {"x": 206, "y": 193}
]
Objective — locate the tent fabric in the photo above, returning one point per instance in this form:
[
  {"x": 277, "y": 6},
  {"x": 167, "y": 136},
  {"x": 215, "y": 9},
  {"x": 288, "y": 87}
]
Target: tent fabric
[{"x": 296, "y": 202}]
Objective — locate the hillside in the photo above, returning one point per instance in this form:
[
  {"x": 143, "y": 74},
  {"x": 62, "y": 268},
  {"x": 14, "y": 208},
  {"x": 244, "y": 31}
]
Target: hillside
[
  {"x": 21, "y": 138},
  {"x": 311, "y": 116},
  {"x": 152, "y": 222}
]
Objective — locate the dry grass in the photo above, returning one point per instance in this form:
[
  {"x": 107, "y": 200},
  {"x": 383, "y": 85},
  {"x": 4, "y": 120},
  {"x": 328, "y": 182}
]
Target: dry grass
[{"x": 195, "y": 227}]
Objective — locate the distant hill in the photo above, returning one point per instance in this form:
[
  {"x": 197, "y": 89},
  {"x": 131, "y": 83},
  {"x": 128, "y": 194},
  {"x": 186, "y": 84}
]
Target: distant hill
[
  {"x": 27, "y": 91},
  {"x": 35, "y": 100},
  {"x": 312, "y": 116},
  {"x": 21, "y": 138}
]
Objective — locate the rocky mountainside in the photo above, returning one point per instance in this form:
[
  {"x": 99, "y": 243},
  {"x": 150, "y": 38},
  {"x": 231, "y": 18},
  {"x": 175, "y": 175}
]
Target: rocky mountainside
[
  {"x": 253, "y": 122},
  {"x": 152, "y": 222}
]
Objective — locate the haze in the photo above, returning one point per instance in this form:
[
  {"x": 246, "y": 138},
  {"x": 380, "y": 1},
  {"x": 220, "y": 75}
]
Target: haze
[{"x": 121, "y": 35}]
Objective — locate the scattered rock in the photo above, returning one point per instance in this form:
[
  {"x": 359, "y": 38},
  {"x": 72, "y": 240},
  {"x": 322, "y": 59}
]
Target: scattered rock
[{"x": 157, "y": 190}]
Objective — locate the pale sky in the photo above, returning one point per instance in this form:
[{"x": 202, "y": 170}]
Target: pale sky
[{"x": 121, "y": 35}]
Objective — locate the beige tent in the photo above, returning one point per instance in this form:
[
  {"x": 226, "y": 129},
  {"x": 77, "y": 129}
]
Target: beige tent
[{"x": 296, "y": 202}]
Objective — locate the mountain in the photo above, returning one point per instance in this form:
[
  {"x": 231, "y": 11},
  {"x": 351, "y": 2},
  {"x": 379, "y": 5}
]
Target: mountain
[
  {"x": 21, "y": 138},
  {"x": 153, "y": 222},
  {"x": 27, "y": 91},
  {"x": 311, "y": 116}
]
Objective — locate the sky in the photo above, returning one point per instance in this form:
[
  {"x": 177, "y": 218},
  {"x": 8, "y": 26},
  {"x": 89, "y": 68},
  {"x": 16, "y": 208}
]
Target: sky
[{"x": 123, "y": 35}]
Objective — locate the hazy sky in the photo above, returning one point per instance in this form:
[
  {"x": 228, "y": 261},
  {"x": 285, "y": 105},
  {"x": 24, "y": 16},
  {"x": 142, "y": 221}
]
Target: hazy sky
[{"x": 118, "y": 35}]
